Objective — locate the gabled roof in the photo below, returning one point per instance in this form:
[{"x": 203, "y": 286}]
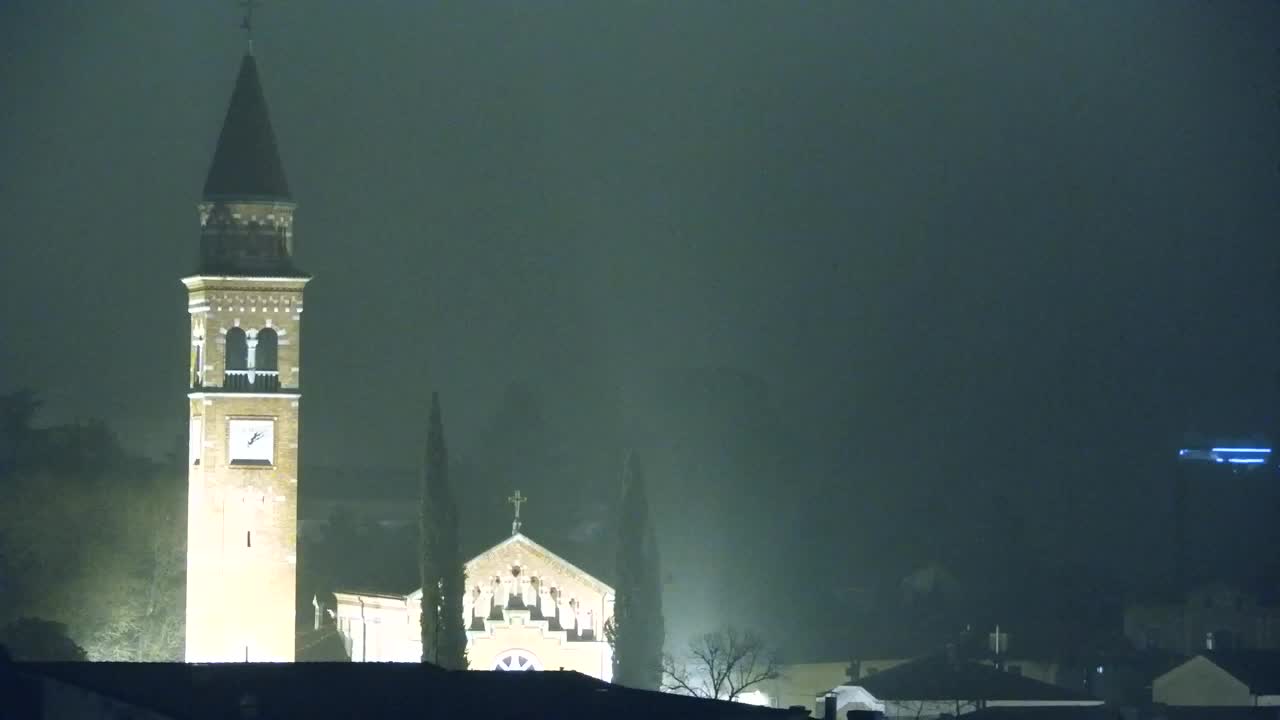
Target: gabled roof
[
  {"x": 939, "y": 678},
  {"x": 536, "y": 549},
  {"x": 246, "y": 164},
  {"x": 1259, "y": 669}
]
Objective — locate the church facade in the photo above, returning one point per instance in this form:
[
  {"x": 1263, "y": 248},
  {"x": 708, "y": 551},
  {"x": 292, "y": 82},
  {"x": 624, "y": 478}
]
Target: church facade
[
  {"x": 245, "y": 304},
  {"x": 526, "y": 609}
]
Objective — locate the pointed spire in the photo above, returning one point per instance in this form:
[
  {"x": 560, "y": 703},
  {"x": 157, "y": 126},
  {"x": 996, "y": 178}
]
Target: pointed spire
[{"x": 246, "y": 164}]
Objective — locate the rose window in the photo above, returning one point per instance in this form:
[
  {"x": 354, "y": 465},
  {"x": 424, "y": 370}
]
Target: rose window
[{"x": 517, "y": 660}]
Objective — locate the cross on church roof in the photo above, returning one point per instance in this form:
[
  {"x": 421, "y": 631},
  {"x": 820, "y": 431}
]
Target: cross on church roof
[{"x": 517, "y": 500}]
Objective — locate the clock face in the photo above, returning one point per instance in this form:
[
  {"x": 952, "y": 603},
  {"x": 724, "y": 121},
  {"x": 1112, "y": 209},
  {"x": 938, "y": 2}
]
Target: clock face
[{"x": 252, "y": 442}]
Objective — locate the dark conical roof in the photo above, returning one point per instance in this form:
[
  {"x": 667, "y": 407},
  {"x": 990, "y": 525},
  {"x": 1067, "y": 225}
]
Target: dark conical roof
[{"x": 246, "y": 163}]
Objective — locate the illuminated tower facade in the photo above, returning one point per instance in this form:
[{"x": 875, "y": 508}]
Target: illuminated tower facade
[{"x": 245, "y": 302}]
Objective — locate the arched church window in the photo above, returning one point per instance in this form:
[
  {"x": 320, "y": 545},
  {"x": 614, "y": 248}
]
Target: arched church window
[
  {"x": 237, "y": 350},
  {"x": 266, "y": 353},
  {"x": 517, "y": 660}
]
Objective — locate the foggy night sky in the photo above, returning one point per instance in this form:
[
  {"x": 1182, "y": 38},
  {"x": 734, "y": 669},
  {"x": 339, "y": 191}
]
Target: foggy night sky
[{"x": 1018, "y": 247}]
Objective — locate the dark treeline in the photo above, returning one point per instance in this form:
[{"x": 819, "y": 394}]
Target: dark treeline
[{"x": 91, "y": 536}]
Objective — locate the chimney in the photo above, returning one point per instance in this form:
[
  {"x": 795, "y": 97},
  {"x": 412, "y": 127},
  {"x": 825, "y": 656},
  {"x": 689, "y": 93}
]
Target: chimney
[{"x": 829, "y": 707}]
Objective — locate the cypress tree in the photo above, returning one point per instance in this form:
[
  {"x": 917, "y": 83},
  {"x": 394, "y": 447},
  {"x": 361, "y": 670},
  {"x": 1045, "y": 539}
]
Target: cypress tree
[
  {"x": 452, "y": 636},
  {"x": 429, "y": 534},
  {"x": 444, "y": 639},
  {"x": 636, "y": 630}
]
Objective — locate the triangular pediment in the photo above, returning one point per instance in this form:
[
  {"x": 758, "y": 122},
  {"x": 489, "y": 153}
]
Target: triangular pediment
[{"x": 535, "y": 555}]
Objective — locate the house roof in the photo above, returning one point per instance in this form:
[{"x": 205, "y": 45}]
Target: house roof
[
  {"x": 377, "y": 690},
  {"x": 1259, "y": 669},
  {"x": 939, "y": 678},
  {"x": 246, "y": 163}
]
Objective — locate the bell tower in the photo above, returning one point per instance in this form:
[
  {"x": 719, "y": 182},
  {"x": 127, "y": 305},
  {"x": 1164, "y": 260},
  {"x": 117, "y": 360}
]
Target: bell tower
[{"x": 245, "y": 302}]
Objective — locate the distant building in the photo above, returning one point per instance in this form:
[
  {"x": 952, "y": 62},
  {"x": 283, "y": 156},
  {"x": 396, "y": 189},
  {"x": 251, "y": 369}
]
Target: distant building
[
  {"x": 800, "y": 683},
  {"x": 1222, "y": 679},
  {"x": 994, "y": 651},
  {"x": 938, "y": 685},
  {"x": 1046, "y": 671},
  {"x": 1216, "y": 616}
]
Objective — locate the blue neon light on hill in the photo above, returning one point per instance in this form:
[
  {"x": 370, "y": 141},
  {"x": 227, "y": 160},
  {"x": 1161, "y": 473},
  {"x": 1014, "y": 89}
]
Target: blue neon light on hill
[{"x": 1232, "y": 455}]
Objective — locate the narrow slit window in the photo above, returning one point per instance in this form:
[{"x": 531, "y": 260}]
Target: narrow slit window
[{"x": 248, "y": 538}]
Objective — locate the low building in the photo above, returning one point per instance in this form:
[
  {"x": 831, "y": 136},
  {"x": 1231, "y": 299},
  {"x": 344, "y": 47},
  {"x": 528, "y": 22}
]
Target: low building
[
  {"x": 1217, "y": 616},
  {"x": 1046, "y": 671},
  {"x": 1222, "y": 679},
  {"x": 800, "y": 683},
  {"x": 939, "y": 685}
]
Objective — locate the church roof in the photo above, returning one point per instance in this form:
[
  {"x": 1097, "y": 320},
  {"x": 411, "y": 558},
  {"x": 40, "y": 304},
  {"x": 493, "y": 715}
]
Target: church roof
[
  {"x": 537, "y": 549},
  {"x": 522, "y": 539},
  {"x": 246, "y": 163}
]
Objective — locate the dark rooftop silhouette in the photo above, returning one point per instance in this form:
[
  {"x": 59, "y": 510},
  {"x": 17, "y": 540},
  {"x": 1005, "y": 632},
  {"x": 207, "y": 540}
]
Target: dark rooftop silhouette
[
  {"x": 374, "y": 690},
  {"x": 940, "y": 678}
]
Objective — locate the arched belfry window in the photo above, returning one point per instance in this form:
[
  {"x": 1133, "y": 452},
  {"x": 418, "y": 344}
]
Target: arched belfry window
[
  {"x": 265, "y": 354},
  {"x": 237, "y": 350}
]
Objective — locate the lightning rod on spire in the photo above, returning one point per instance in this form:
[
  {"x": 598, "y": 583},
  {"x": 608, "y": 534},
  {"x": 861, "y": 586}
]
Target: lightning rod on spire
[{"x": 246, "y": 23}]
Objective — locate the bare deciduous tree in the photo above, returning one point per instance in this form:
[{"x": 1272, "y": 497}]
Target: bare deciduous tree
[{"x": 721, "y": 665}]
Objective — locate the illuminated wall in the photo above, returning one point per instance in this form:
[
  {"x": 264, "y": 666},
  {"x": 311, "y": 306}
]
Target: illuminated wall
[
  {"x": 526, "y": 609},
  {"x": 242, "y": 505}
]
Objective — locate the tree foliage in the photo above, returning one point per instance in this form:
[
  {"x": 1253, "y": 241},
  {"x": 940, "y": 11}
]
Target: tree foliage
[
  {"x": 93, "y": 538},
  {"x": 35, "y": 640},
  {"x": 720, "y": 665},
  {"x": 636, "y": 631},
  {"x": 443, "y": 578},
  {"x": 17, "y": 416}
]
